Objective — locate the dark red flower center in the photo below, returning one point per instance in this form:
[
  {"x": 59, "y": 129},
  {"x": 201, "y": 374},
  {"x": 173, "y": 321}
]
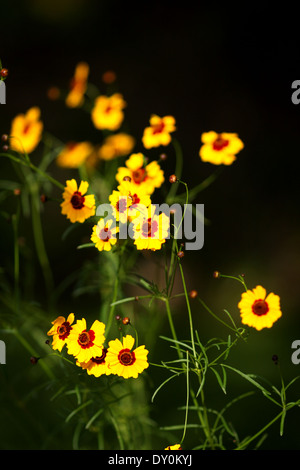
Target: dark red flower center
[
  {"x": 134, "y": 199},
  {"x": 100, "y": 359},
  {"x": 77, "y": 200},
  {"x": 158, "y": 128},
  {"x": 260, "y": 307},
  {"x": 63, "y": 330},
  {"x": 126, "y": 357},
  {"x": 86, "y": 338},
  {"x": 149, "y": 228},
  {"x": 139, "y": 175},
  {"x": 105, "y": 234},
  {"x": 26, "y": 128},
  {"x": 220, "y": 143},
  {"x": 121, "y": 205}
]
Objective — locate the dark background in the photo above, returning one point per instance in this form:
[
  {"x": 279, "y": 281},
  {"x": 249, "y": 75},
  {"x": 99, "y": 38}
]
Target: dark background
[{"x": 214, "y": 68}]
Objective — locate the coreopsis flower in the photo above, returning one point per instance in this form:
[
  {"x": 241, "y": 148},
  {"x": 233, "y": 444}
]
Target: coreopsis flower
[
  {"x": 108, "y": 112},
  {"x": 60, "y": 331},
  {"x": 159, "y": 131},
  {"x": 148, "y": 176},
  {"x": 77, "y": 205},
  {"x": 104, "y": 234},
  {"x": 78, "y": 85},
  {"x": 257, "y": 310},
  {"x": 117, "y": 145},
  {"x": 97, "y": 365},
  {"x": 174, "y": 447},
  {"x": 73, "y": 155},
  {"x": 84, "y": 344},
  {"x": 26, "y": 131},
  {"x": 220, "y": 148},
  {"x": 127, "y": 201},
  {"x": 150, "y": 230},
  {"x": 125, "y": 362}
]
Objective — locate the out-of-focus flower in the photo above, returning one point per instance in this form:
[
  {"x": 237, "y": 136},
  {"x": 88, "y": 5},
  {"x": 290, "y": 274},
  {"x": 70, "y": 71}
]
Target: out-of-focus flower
[
  {"x": 96, "y": 366},
  {"x": 117, "y": 145},
  {"x": 84, "y": 344},
  {"x": 149, "y": 176},
  {"x": 104, "y": 235},
  {"x": 108, "y": 112},
  {"x": 60, "y": 331},
  {"x": 109, "y": 77},
  {"x": 158, "y": 133},
  {"x": 26, "y": 131},
  {"x": 220, "y": 148},
  {"x": 74, "y": 154},
  {"x": 78, "y": 85},
  {"x": 174, "y": 447},
  {"x": 150, "y": 230},
  {"x": 77, "y": 206},
  {"x": 257, "y": 310},
  {"x": 125, "y": 362}
]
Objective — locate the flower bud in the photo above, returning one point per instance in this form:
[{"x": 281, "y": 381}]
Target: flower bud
[
  {"x": 126, "y": 321},
  {"x": 180, "y": 254},
  {"x": 216, "y": 274},
  {"x": 173, "y": 179},
  {"x": 193, "y": 294}
]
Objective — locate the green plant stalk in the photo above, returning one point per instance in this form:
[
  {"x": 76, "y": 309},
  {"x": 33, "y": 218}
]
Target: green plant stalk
[
  {"x": 15, "y": 222},
  {"x": 39, "y": 240},
  {"x": 30, "y": 165}
]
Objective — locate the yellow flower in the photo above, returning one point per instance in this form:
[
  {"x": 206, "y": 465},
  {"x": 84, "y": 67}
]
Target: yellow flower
[
  {"x": 84, "y": 344},
  {"x": 144, "y": 176},
  {"x": 78, "y": 85},
  {"x": 60, "y": 331},
  {"x": 117, "y": 145},
  {"x": 97, "y": 365},
  {"x": 26, "y": 131},
  {"x": 220, "y": 148},
  {"x": 125, "y": 362},
  {"x": 158, "y": 133},
  {"x": 127, "y": 201},
  {"x": 257, "y": 310},
  {"x": 108, "y": 112},
  {"x": 77, "y": 206},
  {"x": 104, "y": 235},
  {"x": 73, "y": 155},
  {"x": 174, "y": 447},
  {"x": 150, "y": 230}
]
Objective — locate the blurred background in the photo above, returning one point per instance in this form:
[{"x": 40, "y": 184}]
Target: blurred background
[{"x": 212, "y": 68}]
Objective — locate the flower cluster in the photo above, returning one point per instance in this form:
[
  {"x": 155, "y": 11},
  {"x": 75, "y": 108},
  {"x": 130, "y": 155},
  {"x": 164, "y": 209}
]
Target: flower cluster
[{"x": 88, "y": 348}]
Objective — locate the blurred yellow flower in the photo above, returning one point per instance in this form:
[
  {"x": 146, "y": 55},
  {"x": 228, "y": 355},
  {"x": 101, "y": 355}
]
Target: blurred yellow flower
[
  {"x": 74, "y": 154},
  {"x": 60, "y": 331},
  {"x": 97, "y": 365},
  {"x": 174, "y": 447},
  {"x": 257, "y": 310},
  {"x": 124, "y": 362},
  {"x": 158, "y": 133},
  {"x": 26, "y": 131},
  {"x": 78, "y": 85},
  {"x": 149, "y": 176},
  {"x": 84, "y": 344},
  {"x": 150, "y": 230},
  {"x": 77, "y": 206},
  {"x": 117, "y": 145},
  {"x": 108, "y": 112},
  {"x": 104, "y": 235},
  {"x": 220, "y": 148}
]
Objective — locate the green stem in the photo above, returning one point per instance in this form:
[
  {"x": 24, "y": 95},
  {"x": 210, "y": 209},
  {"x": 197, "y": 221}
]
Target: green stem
[{"x": 172, "y": 327}]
